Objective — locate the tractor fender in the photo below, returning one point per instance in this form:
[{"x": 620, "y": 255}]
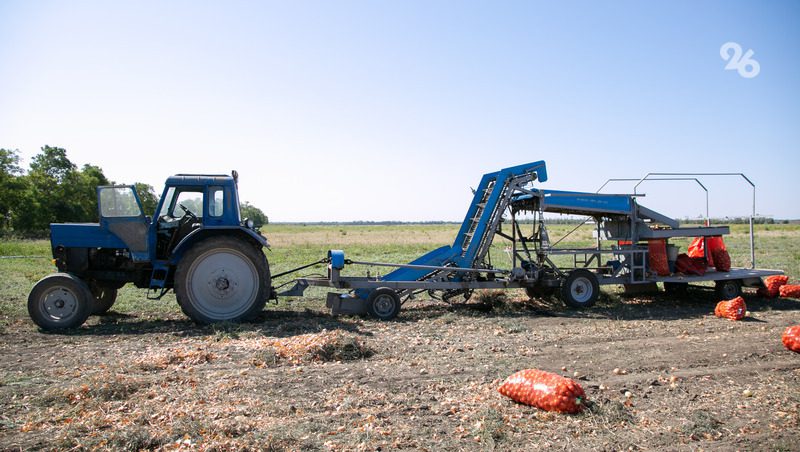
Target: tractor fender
[{"x": 200, "y": 234}]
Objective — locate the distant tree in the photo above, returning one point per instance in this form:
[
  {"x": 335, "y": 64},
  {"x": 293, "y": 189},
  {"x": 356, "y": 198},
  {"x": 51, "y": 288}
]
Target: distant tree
[
  {"x": 148, "y": 197},
  {"x": 12, "y": 186},
  {"x": 58, "y": 192},
  {"x": 254, "y": 213}
]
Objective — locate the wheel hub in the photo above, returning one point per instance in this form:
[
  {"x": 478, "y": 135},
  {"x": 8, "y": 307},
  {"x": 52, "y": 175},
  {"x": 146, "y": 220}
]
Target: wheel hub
[
  {"x": 384, "y": 304},
  {"x": 60, "y": 303},
  {"x": 221, "y": 284},
  {"x": 581, "y": 290}
]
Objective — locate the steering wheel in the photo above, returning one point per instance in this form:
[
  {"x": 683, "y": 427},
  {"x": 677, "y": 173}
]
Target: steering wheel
[{"x": 188, "y": 212}]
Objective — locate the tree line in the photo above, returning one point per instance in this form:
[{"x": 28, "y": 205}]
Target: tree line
[{"x": 55, "y": 190}]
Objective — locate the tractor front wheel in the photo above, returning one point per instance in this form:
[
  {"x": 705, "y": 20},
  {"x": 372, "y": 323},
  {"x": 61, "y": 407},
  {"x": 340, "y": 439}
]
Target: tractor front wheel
[
  {"x": 222, "y": 279},
  {"x": 103, "y": 297},
  {"x": 60, "y": 301}
]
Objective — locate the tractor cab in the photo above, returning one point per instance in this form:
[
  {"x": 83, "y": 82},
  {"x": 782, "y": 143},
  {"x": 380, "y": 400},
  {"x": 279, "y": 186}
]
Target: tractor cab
[{"x": 189, "y": 203}]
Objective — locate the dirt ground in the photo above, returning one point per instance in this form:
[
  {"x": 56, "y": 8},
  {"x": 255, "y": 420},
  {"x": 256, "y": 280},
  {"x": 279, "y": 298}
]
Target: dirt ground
[{"x": 660, "y": 374}]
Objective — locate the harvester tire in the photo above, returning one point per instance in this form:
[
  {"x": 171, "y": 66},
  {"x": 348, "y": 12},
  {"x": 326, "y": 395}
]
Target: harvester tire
[
  {"x": 60, "y": 301},
  {"x": 580, "y": 289},
  {"x": 103, "y": 297},
  {"x": 728, "y": 289},
  {"x": 222, "y": 279},
  {"x": 540, "y": 292},
  {"x": 676, "y": 289},
  {"x": 383, "y": 303}
]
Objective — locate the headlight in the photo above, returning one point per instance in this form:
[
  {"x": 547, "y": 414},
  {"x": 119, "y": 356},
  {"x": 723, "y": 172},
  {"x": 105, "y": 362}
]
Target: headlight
[{"x": 249, "y": 223}]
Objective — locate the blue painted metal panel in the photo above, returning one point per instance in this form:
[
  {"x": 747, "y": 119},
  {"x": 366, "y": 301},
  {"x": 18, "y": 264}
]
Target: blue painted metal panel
[
  {"x": 577, "y": 202},
  {"x": 437, "y": 257},
  {"x": 83, "y": 235}
]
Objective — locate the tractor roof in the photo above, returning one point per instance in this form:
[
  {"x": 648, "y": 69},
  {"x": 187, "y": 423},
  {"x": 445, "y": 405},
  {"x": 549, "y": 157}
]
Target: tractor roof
[{"x": 200, "y": 179}]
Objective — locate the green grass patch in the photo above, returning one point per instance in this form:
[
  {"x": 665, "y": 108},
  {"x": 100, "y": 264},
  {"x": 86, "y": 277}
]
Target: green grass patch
[{"x": 296, "y": 245}]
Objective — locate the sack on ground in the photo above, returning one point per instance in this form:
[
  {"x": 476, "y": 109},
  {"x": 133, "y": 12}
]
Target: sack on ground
[
  {"x": 791, "y": 338},
  {"x": 544, "y": 390},
  {"x": 732, "y": 309},
  {"x": 772, "y": 285}
]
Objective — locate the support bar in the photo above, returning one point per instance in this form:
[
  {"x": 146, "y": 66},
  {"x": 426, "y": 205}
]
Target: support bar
[{"x": 431, "y": 267}]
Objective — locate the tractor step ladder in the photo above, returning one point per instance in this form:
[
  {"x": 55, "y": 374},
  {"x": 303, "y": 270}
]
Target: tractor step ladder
[{"x": 158, "y": 281}]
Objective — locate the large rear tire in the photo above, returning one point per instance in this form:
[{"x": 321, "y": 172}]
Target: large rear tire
[
  {"x": 580, "y": 289},
  {"x": 60, "y": 301},
  {"x": 222, "y": 279}
]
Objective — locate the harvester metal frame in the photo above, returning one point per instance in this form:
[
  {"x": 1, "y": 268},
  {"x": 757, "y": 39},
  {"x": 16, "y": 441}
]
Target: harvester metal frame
[{"x": 466, "y": 265}]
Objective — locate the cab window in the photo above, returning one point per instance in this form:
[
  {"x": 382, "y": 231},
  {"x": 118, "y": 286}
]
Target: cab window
[
  {"x": 118, "y": 202},
  {"x": 192, "y": 200},
  {"x": 216, "y": 202}
]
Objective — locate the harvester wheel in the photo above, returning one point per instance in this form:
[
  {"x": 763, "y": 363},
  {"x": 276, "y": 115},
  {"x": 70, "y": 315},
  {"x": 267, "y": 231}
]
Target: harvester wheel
[
  {"x": 728, "y": 289},
  {"x": 540, "y": 292},
  {"x": 383, "y": 303},
  {"x": 580, "y": 289},
  {"x": 60, "y": 301},
  {"x": 222, "y": 279},
  {"x": 103, "y": 297},
  {"x": 676, "y": 289}
]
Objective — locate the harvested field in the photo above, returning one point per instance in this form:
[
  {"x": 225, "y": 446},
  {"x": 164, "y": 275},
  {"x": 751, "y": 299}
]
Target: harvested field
[{"x": 659, "y": 373}]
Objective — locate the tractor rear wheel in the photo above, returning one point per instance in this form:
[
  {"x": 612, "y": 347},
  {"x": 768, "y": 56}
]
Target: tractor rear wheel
[
  {"x": 222, "y": 279},
  {"x": 60, "y": 301},
  {"x": 103, "y": 297}
]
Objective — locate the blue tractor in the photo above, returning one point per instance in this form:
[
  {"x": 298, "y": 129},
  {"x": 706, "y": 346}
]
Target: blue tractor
[{"x": 195, "y": 244}]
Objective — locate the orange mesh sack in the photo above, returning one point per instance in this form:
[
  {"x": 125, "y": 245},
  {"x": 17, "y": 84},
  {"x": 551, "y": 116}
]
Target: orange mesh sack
[
  {"x": 722, "y": 260},
  {"x": 658, "y": 256},
  {"x": 772, "y": 285},
  {"x": 791, "y": 338},
  {"x": 790, "y": 291},
  {"x": 697, "y": 249},
  {"x": 544, "y": 390},
  {"x": 719, "y": 254},
  {"x": 732, "y": 309}
]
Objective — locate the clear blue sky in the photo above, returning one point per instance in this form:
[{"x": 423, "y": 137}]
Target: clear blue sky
[{"x": 392, "y": 110}]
